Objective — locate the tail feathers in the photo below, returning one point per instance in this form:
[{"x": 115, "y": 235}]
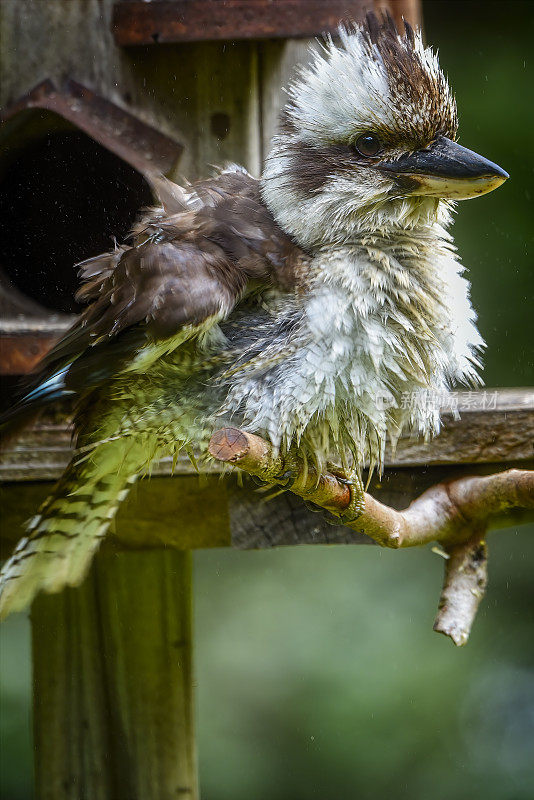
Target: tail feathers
[{"x": 63, "y": 537}]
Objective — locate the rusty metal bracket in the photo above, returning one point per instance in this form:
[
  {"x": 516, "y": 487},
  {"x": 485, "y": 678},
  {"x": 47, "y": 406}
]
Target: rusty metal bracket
[{"x": 140, "y": 145}]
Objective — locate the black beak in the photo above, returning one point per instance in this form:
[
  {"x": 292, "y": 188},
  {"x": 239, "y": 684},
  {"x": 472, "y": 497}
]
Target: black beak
[{"x": 446, "y": 169}]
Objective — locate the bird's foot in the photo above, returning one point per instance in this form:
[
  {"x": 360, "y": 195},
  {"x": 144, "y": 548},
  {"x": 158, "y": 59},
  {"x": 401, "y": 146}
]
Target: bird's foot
[
  {"x": 292, "y": 469},
  {"x": 356, "y": 505},
  {"x": 293, "y": 472}
]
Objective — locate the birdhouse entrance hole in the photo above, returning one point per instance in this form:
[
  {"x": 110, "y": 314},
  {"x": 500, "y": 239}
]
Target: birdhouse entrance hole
[
  {"x": 63, "y": 198},
  {"x": 72, "y": 170}
]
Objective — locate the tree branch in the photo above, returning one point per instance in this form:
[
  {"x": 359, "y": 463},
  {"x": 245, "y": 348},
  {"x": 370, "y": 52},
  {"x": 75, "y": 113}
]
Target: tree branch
[
  {"x": 466, "y": 577},
  {"x": 457, "y": 514}
]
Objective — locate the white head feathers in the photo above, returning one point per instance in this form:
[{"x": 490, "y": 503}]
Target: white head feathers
[{"x": 373, "y": 80}]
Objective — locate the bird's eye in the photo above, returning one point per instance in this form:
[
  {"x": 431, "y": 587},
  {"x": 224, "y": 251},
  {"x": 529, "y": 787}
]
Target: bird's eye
[{"x": 368, "y": 144}]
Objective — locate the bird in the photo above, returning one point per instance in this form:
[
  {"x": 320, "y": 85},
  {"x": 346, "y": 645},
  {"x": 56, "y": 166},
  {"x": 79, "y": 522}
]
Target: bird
[{"x": 321, "y": 306}]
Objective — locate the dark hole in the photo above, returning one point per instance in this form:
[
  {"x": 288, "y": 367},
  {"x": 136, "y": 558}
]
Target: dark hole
[
  {"x": 220, "y": 125},
  {"x": 155, "y": 36},
  {"x": 62, "y": 201}
]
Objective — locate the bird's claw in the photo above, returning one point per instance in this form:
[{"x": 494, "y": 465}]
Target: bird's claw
[
  {"x": 356, "y": 504},
  {"x": 287, "y": 479}
]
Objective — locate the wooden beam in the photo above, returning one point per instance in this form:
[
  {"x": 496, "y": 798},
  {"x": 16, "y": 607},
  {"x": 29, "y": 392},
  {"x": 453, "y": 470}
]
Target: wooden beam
[{"x": 137, "y": 22}]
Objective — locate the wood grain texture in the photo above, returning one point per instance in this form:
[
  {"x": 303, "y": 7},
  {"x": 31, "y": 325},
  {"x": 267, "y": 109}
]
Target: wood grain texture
[
  {"x": 70, "y": 700},
  {"x": 112, "y": 682},
  {"x": 136, "y": 22}
]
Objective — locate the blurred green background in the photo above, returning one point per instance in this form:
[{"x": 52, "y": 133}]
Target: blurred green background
[{"x": 318, "y": 673}]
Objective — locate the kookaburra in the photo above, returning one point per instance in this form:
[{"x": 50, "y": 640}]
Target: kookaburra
[{"x": 303, "y": 306}]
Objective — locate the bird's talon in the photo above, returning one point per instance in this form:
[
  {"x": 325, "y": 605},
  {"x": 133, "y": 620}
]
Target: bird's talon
[
  {"x": 289, "y": 476},
  {"x": 356, "y": 504},
  {"x": 287, "y": 479}
]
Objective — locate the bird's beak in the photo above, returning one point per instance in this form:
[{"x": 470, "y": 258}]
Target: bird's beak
[{"x": 446, "y": 169}]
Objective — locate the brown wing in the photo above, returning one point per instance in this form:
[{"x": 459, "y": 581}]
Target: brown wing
[
  {"x": 193, "y": 259},
  {"x": 163, "y": 286}
]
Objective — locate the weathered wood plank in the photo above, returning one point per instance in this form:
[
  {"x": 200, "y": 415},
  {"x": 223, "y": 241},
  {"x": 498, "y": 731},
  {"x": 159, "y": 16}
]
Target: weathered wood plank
[
  {"x": 136, "y": 23},
  {"x": 478, "y": 427},
  {"x": 113, "y": 684},
  {"x": 494, "y": 426},
  {"x": 70, "y": 701},
  {"x": 277, "y": 67}
]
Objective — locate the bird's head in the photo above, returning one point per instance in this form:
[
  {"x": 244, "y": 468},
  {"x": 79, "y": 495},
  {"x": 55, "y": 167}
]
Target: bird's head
[{"x": 367, "y": 140}]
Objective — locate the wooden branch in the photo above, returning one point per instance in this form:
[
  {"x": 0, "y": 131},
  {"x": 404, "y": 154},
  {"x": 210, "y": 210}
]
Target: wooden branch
[
  {"x": 456, "y": 514},
  {"x": 466, "y": 577}
]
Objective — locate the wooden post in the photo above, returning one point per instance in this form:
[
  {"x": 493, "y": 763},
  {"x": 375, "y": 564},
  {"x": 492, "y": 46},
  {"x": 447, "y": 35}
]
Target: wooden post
[{"x": 113, "y": 682}]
